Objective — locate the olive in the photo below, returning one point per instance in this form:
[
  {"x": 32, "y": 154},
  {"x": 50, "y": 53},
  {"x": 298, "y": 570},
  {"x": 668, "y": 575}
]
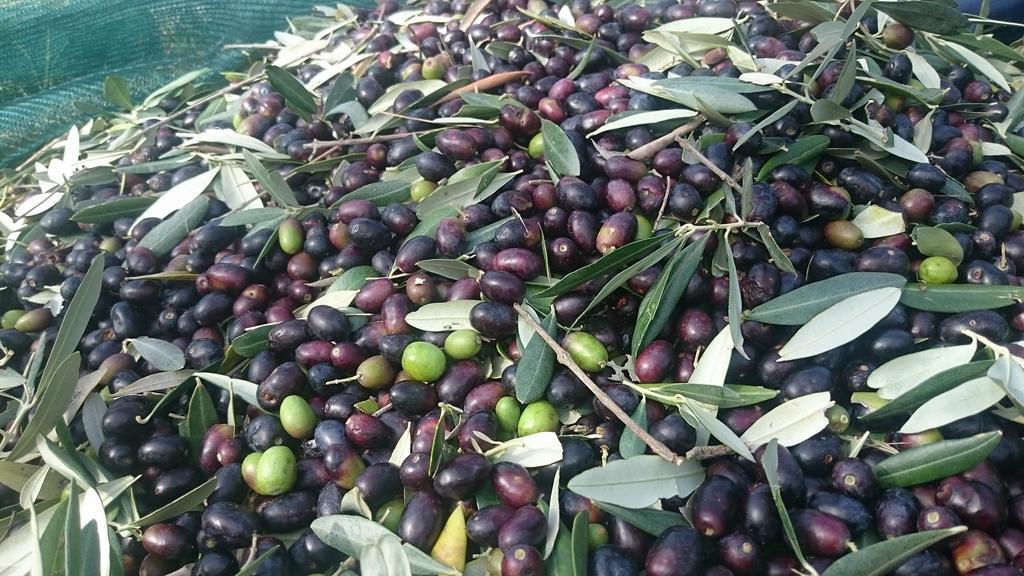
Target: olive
[
  {"x": 343, "y": 464},
  {"x": 462, "y": 476},
  {"x": 288, "y": 512},
  {"x": 586, "y": 351},
  {"x": 526, "y": 525},
  {"x": 285, "y": 380},
  {"x": 976, "y": 550},
  {"x": 297, "y": 418},
  {"x": 493, "y": 320},
  {"x": 463, "y": 344},
  {"x": 228, "y": 525},
  {"x": 514, "y": 485},
  {"x": 853, "y": 477},
  {"x": 163, "y": 451},
  {"x": 896, "y": 513},
  {"x": 522, "y": 560},
  {"x": 422, "y": 519},
  {"x": 539, "y": 416},
  {"x": 215, "y": 563},
  {"x": 275, "y": 471},
  {"x": 714, "y": 506},
  {"x": 500, "y": 286},
  {"x": 677, "y": 551},
  {"x": 611, "y": 560}
]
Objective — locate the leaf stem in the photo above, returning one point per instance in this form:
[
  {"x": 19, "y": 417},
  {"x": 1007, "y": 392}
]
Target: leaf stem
[
  {"x": 563, "y": 358},
  {"x": 653, "y": 147}
]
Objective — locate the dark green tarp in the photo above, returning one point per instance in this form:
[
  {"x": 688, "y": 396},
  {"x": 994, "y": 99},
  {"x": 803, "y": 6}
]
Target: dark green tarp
[{"x": 54, "y": 53}]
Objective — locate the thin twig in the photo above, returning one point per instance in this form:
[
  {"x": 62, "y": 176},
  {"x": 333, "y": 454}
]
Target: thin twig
[
  {"x": 564, "y": 359},
  {"x": 710, "y": 165},
  {"x": 708, "y": 452},
  {"x": 654, "y": 146}
]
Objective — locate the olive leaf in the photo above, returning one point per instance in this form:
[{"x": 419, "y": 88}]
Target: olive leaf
[
  {"x": 629, "y": 443},
  {"x": 242, "y": 388},
  {"x": 187, "y": 502},
  {"x": 202, "y": 414},
  {"x": 156, "y": 382},
  {"x": 271, "y": 182},
  {"x": 622, "y": 277},
  {"x": 935, "y": 461},
  {"x": 350, "y": 534},
  {"x": 253, "y": 216},
  {"x": 900, "y": 375},
  {"x": 932, "y": 387},
  {"x": 791, "y": 422},
  {"x": 633, "y": 119},
  {"x": 117, "y": 92},
  {"x": 607, "y": 264},
  {"x": 161, "y": 354},
  {"x": 638, "y": 482},
  {"x": 932, "y": 241},
  {"x": 965, "y": 400},
  {"x": 770, "y": 464},
  {"x": 659, "y": 302},
  {"x": 881, "y": 558},
  {"x": 449, "y": 268},
  {"x": 167, "y": 234},
  {"x": 177, "y": 197},
  {"x": 735, "y": 304},
  {"x": 699, "y": 418},
  {"x": 298, "y": 99},
  {"x": 652, "y": 521},
  {"x": 841, "y": 323},
  {"x": 379, "y": 193},
  {"x": 442, "y": 316},
  {"x": 536, "y": 365},
  {"x": 558, "y": 150},
  {"x": 113, "y": 209},
  {"x": 1009, "y": 374},
  {"x": 805, "y": 149},
  {"x": 926, "y": 15},
  {"x": 252, "y": 342},
  {"x": 530, "y": 451},
  {"x": 953, "y": 298}
]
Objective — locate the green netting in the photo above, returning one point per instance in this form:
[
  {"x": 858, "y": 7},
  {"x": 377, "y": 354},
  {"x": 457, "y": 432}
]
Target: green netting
[{"x": 58, "y": 52}]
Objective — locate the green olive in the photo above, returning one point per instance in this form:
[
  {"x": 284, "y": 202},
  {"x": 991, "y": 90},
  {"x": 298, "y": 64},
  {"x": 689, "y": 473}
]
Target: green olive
[
  {"x": 536, "y": 147},
  {"x": 539, "y": 416},
  {"x": 276, "y": 471},
  {"x": 433, "y": 68},
  {"x": 838, "y": 419},
  {"x": 508, "y": 411},
  {"x": 375, "y": 373},
  {"x": 937, "y": 270},
  {"x": 463, "y": 344},
  {"x": 586, "y": 351},
  {"x": 420, "y": 190},
  {"x": 597, "y": 535},
  {"x": 297, "y": 417},
  {"x": 423, "y": 361},
  {"x": 291, "y": 236},
  {"x": 10, "y": 318},
  {"x": 34, "y": 321},
  {"x": 644, "y": 228},
  {"x": 249, "y": 466},
  {"x": 390, "y": 513}
]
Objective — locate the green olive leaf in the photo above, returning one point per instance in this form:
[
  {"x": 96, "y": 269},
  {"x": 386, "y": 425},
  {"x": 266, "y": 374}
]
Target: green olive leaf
[
  {"x": 298, "y": 99},
  {"x": 881, "y": 558},
  {"x": 659, "y": 302},
  {"x": 935, "y": 461},
  {"x": 536, "y": 365},
  {"x": 799, "y": 306},
  {"x": 558, "y": 150}
]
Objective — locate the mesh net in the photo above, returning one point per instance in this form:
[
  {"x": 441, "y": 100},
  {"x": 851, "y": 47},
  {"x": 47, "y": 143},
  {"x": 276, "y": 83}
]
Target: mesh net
[{"x": 57, "y": 53}]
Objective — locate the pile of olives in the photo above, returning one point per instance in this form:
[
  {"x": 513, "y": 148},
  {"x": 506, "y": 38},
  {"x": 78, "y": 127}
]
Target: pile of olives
[{"x": 355, "y": 409}]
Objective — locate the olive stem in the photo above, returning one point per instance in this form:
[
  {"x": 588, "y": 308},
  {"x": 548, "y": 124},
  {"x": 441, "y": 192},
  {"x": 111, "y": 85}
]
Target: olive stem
[
  {"x": 654, "y": 146},
  {"x": 563, "y": 358}
]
